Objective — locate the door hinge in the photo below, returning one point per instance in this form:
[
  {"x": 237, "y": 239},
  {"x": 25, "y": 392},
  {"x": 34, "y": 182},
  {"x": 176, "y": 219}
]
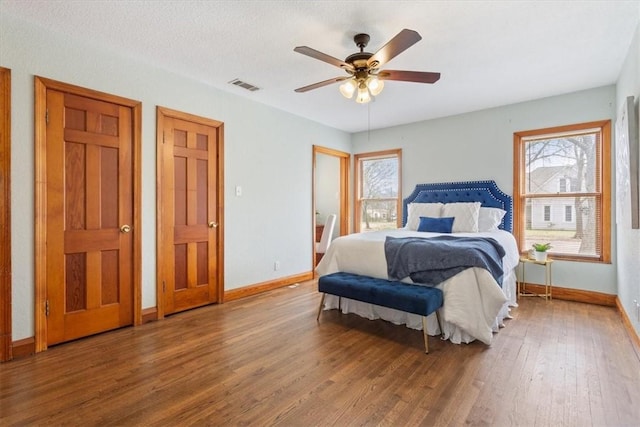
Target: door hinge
[
  {"x": 46, "y": 116},
  {"x": 164, "y": 286},
  {"x": 46, "y": 308},
  {"x": 164, "y": 137}
]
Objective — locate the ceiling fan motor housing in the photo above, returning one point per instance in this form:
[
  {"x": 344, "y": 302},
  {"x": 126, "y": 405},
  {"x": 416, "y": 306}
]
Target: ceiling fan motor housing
[{"x": 359, "y": 60}]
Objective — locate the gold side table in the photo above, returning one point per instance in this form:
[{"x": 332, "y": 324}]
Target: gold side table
[{"x": 522, "y": 283}]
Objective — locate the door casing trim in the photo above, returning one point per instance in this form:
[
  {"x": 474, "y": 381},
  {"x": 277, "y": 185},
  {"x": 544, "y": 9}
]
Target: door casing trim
[
  {"x": 5, "y": 216},
  {"x": 40, "y": 138}
]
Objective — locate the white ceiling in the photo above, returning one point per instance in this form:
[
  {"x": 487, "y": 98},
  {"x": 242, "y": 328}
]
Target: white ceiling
[{"x": 490, "y": 53}]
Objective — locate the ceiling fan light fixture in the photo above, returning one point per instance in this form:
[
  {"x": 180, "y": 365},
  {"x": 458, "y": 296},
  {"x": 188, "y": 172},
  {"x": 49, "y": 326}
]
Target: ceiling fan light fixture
[
  {"x": 375, "y": 85},
  {"x": 348, "y": 88},
  {"x": 363, "y": 94}
]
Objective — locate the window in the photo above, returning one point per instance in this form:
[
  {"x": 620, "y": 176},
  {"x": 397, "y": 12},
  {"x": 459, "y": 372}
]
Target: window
[
  {"x": 562, "y": 190},
  {"x": 377, "y": 198},
  {"x": 568, "y": 213},
  {"x": 564, "y": 185}
]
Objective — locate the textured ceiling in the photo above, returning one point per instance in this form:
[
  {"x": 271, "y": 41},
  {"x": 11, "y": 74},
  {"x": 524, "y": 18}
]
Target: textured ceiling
[{"x": 490, "y": 53}]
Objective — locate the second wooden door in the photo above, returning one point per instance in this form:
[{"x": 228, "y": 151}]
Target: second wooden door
[{"x": 190, "y": 219}]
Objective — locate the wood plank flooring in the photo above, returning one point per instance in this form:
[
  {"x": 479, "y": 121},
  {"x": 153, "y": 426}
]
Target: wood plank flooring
[{"x": 264, "y": 360}]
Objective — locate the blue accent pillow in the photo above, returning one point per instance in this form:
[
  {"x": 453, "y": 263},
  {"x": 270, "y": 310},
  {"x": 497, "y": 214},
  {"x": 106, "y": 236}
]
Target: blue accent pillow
[{"x": 436, "y": 225}]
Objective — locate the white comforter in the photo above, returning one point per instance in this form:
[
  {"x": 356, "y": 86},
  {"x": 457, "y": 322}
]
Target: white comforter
[{"x": 474, "y": 304}]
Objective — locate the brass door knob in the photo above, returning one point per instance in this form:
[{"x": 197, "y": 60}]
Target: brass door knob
[
  {"x": 213, "y": 224},
  {"x": 125, "y": 228}
]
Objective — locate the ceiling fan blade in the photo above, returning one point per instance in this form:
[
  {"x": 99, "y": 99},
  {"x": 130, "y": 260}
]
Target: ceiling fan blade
[
  {"x": 306, "y": 50},
  {"x": 401, "y": 42},
  {"x": 409, "y": 76},
  {"x": 320, "y": 84}
]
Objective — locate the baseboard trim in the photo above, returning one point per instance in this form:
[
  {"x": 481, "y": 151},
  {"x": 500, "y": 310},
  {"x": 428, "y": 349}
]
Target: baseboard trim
[
  {"x": 24, "y": 347},
  {"x": 259, "y": 288},
  {"x": 149, "y": 315},
  {"x": 576, "y": 295},
  {"x": 633, "y": 335}
]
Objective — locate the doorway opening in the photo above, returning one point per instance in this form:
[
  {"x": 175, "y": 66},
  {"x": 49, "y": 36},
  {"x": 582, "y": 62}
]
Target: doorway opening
[{"x": 330, "y": 193}]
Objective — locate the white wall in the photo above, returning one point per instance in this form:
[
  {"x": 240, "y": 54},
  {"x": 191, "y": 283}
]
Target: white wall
[
  {"x": 479, "y": 146},
  {"x": 628, "y": 238},
  {"x": 267, "y": 152}
]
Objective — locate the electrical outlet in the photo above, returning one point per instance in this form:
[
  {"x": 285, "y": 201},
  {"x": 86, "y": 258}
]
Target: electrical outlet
[{"x": 276, "y": 266}]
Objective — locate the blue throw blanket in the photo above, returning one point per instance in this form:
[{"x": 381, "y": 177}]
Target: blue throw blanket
[{"x": 431, "y": 261}]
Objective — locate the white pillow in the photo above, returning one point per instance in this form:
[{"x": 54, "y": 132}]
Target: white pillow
[
  {"x": 465, "y": 214},
  {"x": 489, "y": 219},
  {"x": 416, "y": 210}
]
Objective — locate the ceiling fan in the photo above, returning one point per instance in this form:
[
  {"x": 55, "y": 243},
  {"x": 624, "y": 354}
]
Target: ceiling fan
[{"x": 364, "y": 78}]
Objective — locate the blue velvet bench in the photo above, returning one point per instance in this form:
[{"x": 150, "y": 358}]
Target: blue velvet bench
[{"x": 421, "y": 300}]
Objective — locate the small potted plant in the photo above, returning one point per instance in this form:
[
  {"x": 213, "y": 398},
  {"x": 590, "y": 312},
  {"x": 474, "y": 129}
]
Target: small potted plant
[{"x": 541, "y": 251}]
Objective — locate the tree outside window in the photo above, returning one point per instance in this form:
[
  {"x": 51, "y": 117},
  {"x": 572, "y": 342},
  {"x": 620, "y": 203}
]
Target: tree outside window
[
  {"x": 561, "y": 191},
  {"x": 377, "y": 190}
]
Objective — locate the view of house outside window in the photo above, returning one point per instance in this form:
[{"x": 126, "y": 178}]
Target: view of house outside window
[
  {"x": 561, "y": 191},
  {"x": 377, "y": 198}
]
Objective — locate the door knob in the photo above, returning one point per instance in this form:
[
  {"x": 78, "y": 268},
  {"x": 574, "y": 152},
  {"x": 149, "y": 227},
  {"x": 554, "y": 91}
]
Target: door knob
[
  {"x": 213, "y": 224},
  {"x": 125, "y": 228}
]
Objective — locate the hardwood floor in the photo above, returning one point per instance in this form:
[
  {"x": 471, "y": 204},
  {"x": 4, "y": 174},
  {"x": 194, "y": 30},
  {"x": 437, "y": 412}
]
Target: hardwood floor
[{"x": 264, "y": 360}]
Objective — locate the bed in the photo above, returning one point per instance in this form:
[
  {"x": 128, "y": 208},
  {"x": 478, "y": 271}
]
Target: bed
[{"x": 475, "y": 303}]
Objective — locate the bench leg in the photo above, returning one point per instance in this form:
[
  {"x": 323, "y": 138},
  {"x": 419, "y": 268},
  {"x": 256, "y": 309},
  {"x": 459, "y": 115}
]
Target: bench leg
[
  {"x": 440, "y": 324},
  {"x": 426, "y": 336},
  {"x": 320, "y": 308}
]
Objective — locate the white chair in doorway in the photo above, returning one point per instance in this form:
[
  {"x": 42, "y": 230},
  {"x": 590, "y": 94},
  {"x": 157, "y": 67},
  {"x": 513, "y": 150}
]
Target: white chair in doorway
[{"x": 325, "y": 240}]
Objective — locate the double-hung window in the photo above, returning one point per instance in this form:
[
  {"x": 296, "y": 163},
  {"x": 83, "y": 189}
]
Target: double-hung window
[
  {"x": 568, "y": 213},
  {"x": 564, "y": 185},
  {"x": 562, "y": 190},
  {"x": 377, "y": 197}
]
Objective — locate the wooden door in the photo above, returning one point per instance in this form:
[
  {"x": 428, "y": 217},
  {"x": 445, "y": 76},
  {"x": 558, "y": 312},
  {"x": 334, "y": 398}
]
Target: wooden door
[
  {"x": 89, "y": 216},
  {"x": 190, "y": 214}
]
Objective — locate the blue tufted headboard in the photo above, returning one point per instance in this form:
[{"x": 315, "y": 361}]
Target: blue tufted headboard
[{"x": 486, "y": 192}]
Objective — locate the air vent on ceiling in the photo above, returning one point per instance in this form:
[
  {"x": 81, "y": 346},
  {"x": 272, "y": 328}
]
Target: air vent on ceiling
[{"x": 244, "y": 85}]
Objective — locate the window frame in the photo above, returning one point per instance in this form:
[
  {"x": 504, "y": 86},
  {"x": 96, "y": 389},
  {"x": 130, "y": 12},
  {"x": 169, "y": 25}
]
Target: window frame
[
  {"x": 603, "y": 183},
  {"x": 358, "y": 159}
]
